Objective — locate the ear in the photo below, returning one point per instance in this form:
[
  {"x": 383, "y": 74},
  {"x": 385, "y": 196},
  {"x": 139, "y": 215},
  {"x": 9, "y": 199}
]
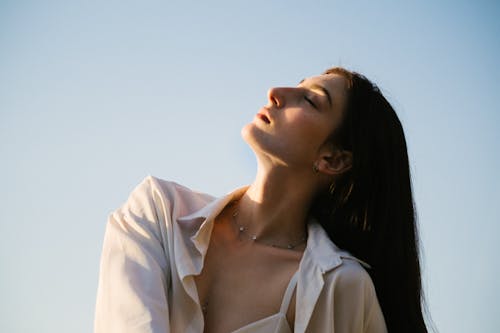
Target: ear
[{"x": 334, "y": 162}]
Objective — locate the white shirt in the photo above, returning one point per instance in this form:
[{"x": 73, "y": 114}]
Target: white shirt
[{"x": 156, "y": 242}]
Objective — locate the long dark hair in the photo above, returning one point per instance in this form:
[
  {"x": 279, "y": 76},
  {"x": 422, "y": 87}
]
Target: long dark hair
[{"x": 369, "y": 210}]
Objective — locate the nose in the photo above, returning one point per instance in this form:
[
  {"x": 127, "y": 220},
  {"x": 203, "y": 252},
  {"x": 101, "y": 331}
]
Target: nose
[{"x": 276, "y": 97}]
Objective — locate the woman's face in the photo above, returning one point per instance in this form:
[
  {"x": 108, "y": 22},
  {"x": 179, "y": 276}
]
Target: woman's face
[{"x": 294, "y": 125}]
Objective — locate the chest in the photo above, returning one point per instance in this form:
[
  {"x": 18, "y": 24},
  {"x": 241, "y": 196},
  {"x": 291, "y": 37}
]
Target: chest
[{"x": 242, "y": 283}]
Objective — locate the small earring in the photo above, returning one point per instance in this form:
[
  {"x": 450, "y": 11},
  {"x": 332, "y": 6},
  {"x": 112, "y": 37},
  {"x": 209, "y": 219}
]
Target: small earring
[
  {"x": 315, "y": 168},
  {"x": 332, "y": 188}
]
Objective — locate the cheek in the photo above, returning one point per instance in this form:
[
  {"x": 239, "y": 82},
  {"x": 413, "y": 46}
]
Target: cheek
[{"x": 310, "y": 130}]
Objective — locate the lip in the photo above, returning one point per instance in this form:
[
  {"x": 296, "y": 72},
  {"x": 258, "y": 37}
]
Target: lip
[{"x": 264, "y": 116}]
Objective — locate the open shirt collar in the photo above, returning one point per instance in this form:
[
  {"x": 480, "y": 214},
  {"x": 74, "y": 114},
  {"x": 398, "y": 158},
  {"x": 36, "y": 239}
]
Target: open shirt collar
[{"x": 319, "y": 247}]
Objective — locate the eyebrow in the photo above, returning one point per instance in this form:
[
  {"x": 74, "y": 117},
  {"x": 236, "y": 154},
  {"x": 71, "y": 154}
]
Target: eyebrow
[{"x": 323, "y": 89}]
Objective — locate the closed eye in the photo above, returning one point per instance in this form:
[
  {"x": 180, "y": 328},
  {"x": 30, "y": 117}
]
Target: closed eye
[{"x": 308, "y": 100}]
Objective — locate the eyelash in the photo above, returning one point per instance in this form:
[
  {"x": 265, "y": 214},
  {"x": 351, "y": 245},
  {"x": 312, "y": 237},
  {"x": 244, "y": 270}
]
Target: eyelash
[{"x": 308, "y": 100}]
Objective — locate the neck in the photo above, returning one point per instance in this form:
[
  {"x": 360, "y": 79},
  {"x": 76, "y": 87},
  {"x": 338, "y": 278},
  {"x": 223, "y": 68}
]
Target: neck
[{"x": 275, "y": 206}]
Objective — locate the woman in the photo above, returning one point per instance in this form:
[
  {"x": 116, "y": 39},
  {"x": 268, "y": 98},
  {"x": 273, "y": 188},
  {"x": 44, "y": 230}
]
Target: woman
[{"x": 323, "y": 240}]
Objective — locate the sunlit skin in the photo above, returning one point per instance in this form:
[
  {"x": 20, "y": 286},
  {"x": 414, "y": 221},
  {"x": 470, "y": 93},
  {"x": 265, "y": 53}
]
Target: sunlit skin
[
  {"x": 243, "y": 281},
  {"x": 288, "y": 137}
]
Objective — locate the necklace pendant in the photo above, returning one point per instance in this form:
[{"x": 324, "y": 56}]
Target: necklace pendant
[{"x": 243, "y": 230}]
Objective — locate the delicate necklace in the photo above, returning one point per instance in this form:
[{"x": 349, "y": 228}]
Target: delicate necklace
[{"x": 244, "y": 230}]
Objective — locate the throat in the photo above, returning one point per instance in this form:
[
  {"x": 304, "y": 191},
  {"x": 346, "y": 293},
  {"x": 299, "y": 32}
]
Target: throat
[{"x": 245, "y": 234}]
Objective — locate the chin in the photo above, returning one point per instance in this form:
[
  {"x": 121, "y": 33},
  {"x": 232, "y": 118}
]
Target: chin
[
  {"x": 253, "y": 136},
  {"x": 267, "y": 146},
  {"x": 248, "y": 132},
  {"x": 259, "y": 141}
]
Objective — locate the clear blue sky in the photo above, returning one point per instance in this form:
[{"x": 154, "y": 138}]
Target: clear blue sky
[{"x": 95, "y": 95}]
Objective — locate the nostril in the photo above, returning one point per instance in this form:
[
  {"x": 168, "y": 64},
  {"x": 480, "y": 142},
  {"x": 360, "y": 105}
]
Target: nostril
[{"x": 275, "y": 97}]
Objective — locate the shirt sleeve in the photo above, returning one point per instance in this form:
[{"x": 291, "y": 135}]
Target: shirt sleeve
[
  {"x": 356, "y": 307},
  {"x": 133, "y": 285}
]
